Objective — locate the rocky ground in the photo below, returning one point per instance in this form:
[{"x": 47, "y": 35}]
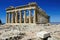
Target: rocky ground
[{"x": 28, "y": 32}]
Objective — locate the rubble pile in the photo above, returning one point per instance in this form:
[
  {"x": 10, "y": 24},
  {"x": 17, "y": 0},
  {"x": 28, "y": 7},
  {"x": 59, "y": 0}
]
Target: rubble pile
[{"x": 29, "y": 32}]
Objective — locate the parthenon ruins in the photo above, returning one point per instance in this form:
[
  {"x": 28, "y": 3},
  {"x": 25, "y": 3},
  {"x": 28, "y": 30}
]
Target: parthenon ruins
[{"x": 30, "y": 13}]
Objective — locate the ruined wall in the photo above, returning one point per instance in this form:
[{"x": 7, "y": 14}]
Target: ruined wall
[{"x": 41, "y": 18}]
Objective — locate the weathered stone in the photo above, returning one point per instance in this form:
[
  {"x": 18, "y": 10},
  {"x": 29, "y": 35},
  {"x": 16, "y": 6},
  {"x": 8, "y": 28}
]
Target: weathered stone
[
  {"x": 21, "y": 30},
  {"x": 43, "y": 34}
]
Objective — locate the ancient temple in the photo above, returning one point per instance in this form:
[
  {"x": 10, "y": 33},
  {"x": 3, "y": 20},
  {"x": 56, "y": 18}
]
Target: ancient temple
[{"x": 30, "y": 13}]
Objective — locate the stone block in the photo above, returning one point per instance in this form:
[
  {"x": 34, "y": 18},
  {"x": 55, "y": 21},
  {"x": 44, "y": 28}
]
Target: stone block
[{"x": 43, "y": 34}]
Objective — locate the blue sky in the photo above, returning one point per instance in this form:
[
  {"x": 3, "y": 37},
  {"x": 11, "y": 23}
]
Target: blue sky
[{"x": 52, "y": 7}]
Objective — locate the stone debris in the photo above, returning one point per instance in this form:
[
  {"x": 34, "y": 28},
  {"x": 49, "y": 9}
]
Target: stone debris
[
  {"x": 27, "y": 32},
  {"x": 43, "y": 34}
]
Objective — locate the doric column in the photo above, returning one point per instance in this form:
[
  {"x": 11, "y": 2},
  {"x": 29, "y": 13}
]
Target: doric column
[
  {"x": 29, "y": 16},
  {"x": 16, "y": 17},
  {"x": 24, "y": 16},
  {"x": 34, "y": 18},
  {"x": 6, "y": 17},
  {"x": 12, "y": 18},
  {"x": 20, "y": 16}
]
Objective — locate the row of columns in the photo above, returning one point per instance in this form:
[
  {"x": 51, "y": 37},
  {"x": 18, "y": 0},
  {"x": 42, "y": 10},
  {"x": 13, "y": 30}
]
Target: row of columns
[{"x": 15, "y": 15}]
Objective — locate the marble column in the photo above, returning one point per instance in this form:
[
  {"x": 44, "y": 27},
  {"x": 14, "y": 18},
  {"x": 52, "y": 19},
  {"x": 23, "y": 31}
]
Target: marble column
[
  {"x": 16, "y": 17},
  {"x": 12, "y": 18},
  {"x": 20, "y": 16},
  {"x": 34, "y": 18},
  {"x": 24, "y": 16},
  {"x": 29, "y": 16},
  {"x": 7, "y": 17}
]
